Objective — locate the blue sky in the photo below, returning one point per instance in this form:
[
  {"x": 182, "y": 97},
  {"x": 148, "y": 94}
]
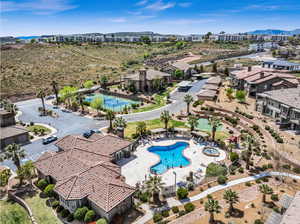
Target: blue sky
[{"x": 36, "y": 17}]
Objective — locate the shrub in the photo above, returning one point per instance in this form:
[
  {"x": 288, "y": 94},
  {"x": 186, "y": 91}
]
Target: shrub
[
  {"x": 222, "y": 179},
  {"x": 144, "y": 197},
  {"x": 70, "y": 217},
  {"x": 165, "y": 213},
  {"x": 214, "y": 170},
  {"x": 274, "y": 197},
  {"x": 89, "y": 216},
  {"x": 241, "y": 170},
  {"x": 258, "y": 221},
  {"x": 248, "y": 184},
  {"x": 286, "y": 166},
  {"x": 54, "y": 204},
  {"x": 175, "y": 209},
  {"x": 182, "y": 193},
  {"x": 188, "y": 207},
  {"x": 157, "y": 217},
  {"x": 191, "y": 187},
  {"x": 65, "y": 213},
  {"x": 59, "y": 208},
  {"x": 42, "y": 184},
  {"x": 101, "y": 221},
  {"x": 49, "y": 190},
  {"x": 233, "y": 156},
  {"x": 80, "y": 213},
  {"x": 181, "y": 213},
  {"x": 258, "y": 181},
  {"x": 296, "y": 170}
]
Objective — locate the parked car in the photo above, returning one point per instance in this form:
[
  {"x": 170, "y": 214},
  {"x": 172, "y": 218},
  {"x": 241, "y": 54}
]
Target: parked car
[
  {"x": 49, "y": 139},
  {"x": 66, "y": 111},
  {"x": 89, "y": 133}
]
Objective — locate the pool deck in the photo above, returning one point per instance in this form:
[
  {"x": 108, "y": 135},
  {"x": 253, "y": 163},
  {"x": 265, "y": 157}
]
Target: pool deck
[{"x": 136, "y": 168}]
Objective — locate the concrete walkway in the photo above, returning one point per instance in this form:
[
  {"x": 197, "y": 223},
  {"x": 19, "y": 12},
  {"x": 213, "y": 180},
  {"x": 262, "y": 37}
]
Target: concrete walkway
[{"x": 173, "y": 202}]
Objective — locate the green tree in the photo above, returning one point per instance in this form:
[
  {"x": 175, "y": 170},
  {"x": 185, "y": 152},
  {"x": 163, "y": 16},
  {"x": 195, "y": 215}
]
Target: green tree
[
  {"x": 178, "y": 74},
  {"x": 110, "y": 115},
  {"x": 180, "y": 44},
  {"x": 103, "y": 81},
  {"x": 88, "y": 84},
  {"x": 246, "y": 156},
  {"x": 226, "y": 71},
  {"x": 54, "y": 85},
  {"x": 212, "y": 206},
  {"x": 214, "y": 122},
  {"x": 240, "y": 95},
  {"x": 120, "y": 122},
  {"x": 234, "y": 157},
  {"x": 231, "y": 198},
  {"x": 215, "y": 67},
  {"x": 101, "y": 221},
  {"x": 192, "y": 121},
  {"x": 146, "y": 40},
  {"x": 188, "y": 99},
  {"x": 27, "y": 171},
  {"x": 4, "y": 177},
  {"x": 202, "y": 69},
  {"x": 41, "y": 94},
  {"x": 141, "y": 128},
  {"x": 265, "y": 189},
  {"x": 154, "y": 186},
  {"x": 15, "y": 153},
  {"x": 165, "y": 117},
  {"x": 67, "y": 93},
  {"x": 229, "y": 94},
  {"x": 97, "y": 104},
  {"x": 80, "y": 99}
]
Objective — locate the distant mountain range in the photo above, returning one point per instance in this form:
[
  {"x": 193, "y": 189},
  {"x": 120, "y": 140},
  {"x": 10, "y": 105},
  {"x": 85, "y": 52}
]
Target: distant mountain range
[{"x": 275, "y": 32}]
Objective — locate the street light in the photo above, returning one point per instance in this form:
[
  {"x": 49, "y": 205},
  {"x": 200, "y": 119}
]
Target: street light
[{"x": 175, "y": 180}]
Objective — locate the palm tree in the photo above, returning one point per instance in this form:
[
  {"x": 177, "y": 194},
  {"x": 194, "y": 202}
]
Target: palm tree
[
  {"x": 141, "y": 128},
  {"x": 41, "y": 94},
  {"x": 188, "y": 99},
  {"x": 103, "y": 81},
  {"x": 214, "y": 122},
  {"x": 192, "y": 121},
  {"x": 120, "y": 122},
  {"x": 246, "y": 156},
  {"x": 4, "y": 177},
  {"x": 27, "y": 171},
  {"x": 231, "y": 198},
  {"x": 54, "y": 85},
  {"x": 15, "y": 153},
  {"x": 154, "y": 186},
  {"x": 110, "y": 115},
  {"x": 165, "y": 117},
  {"x": 212, "y": 206},
  {"x": 80, "y": 100},
  {"x": 265, "y": 189},
  {"x": 229, "y": 93}
]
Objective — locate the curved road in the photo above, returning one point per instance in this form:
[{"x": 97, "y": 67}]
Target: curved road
[{"x": 70, "y": 123}]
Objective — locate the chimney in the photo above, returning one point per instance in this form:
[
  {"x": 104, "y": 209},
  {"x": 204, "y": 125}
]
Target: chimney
[
  {"x": 262, "y": 75},
  {"x": 249, "y": 68},
  {"x": 142, "y": 75}
]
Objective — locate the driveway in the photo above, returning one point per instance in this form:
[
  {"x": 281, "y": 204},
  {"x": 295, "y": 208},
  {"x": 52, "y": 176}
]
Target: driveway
[{"x": 70, "y": 123}]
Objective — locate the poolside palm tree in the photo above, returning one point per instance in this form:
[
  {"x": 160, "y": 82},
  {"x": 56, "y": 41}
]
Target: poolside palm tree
[
  {"x": 154, "y": 186},
  {"x": 141, "y": 128},
  {"x": 80, "y": 100},
  {"x": 15, "y": 153},
  {"x": 188, "y": 99},
  {"x": 165, "y": 117},
  {"x": 110, "y": 115},
  {"x": 214, "y": 122},
  {"x": 192, "y": 121},
  {"x": 265, "y": 189},
  {"x": 41, "y": 94},
  {"x": 27, "y": 171},
  {"x": 54, "y": 85},
  {"x": 231, "y": 198},
  {"x": 212, "y": 206}
]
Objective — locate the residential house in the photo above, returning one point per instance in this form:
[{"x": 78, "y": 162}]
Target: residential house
[
  {"x": 84, "y": 174},
  {"x": 257, "y": 80},
  {"x": 147, "y": 80},
  {"x": 259, "y": 47},
  {"x": 281, "y": 104},
  {"x": 10, "y": 132},
  {"x": 281, "y": 65},
  {"x": 210, "y": 89}
]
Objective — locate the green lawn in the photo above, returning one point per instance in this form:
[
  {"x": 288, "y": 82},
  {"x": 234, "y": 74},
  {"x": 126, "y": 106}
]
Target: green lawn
[
  {"x": 13, "y": 213},
  {"x": 37, "y": 128},
  {"x": 42, "y": 213},
  {"x": 152, "y": 124}
]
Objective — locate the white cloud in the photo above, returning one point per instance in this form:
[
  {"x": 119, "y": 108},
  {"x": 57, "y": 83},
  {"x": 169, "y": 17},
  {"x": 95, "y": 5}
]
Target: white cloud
[
  {"x": 118, "y": 20},
  {"x": 160, "y": 6},
  {"x": 189, "y": 21},
  {"x": 185, "y": 4},
  {"x": 142, "y": 2},
  {"x": 37, "y": 6}
]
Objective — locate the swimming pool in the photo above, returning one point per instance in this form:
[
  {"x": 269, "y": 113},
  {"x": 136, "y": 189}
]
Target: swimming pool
[
  {"x": 211, "y": 151},
  {"x": 170, "y": 156},
  {"x": 111, "y": 102}
]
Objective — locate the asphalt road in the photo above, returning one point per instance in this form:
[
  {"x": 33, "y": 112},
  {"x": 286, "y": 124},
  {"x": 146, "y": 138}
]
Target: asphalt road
[{"x": 70, "y": 123}]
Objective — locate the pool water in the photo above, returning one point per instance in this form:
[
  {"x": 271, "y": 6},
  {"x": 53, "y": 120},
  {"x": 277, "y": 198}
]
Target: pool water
[
  {"x": 211, "y": 151},
  {"x": 204, "y": 125},
  {"x": 170, "y": 156},
  {"x": 111, "y": 102}
]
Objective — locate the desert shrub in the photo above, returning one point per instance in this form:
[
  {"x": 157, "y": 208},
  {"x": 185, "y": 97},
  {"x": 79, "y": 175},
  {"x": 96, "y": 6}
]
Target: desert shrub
[
  {"x": 181, "y": 213},
  {"x": 59, "y": 208},
  {"x": 258, "y": 221},
  {"x": 144, "y": 197},
  {"x": 49, "y": 190},
  {"x": 191, "y": 187},
  {"x": 175, "y": 209},
  {"x": 296, "y": 170},
  {"x": 165, "y": 213},
  {"x": 101, "y": 221},
  {"x": 65, "y": 213},
  {"x": 248, "y": 184},
  {"x": 80, "y": 213},
  {"x": 233, "y": 156},
  {"x": 188, "y": 207},
  {"x": 214, "y": 170},
  {"x": 89, "y": 216},
  {"x": 157, "y": 217},
  {"x": 182, "y": 193},
  {"x": 42, "y": 184},
  {"x": 54, "y": 204},
  {"x": 274, "y": 197},
  {"x": 222, "y": 179},
  {"x": 70, "y": 217},
  {"x": 258, "y": 181},
  {"x": 286, "y": 166}
]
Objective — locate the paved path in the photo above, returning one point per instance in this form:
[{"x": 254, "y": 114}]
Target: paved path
[
  {"x": 173, "y": 202},
  {"x": 70, "y": 123}
]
